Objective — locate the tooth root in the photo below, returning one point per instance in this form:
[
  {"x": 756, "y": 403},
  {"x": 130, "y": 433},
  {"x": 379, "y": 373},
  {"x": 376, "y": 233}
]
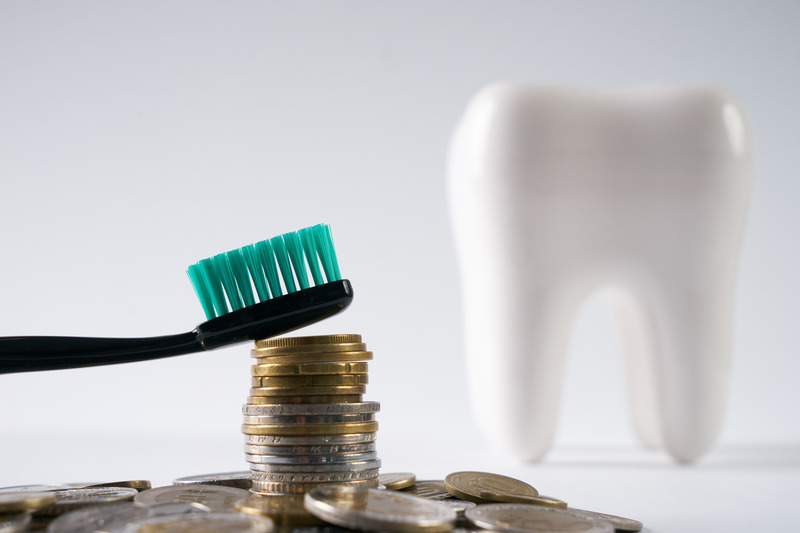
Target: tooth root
[
  {"x": 692, "y": 367},
  {"x": 515, "y": 358}
]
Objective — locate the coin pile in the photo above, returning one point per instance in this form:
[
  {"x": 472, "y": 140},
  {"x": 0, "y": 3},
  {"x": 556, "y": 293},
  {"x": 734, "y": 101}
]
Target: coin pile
[{"x": 305, "y": 423}]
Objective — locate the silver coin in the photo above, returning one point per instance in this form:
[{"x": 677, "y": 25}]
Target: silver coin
[
  {"x": 215, "y": 497},
  {"x": 36, "y": 488},
  {"x": 378, "y": 510},
  {"x": 459, "y": 506},
  {"x": 14, "y": 523},
  {"x": 620, "y": 523},
  {"x": 311, "y": 459},
  {"x": 310, "y": 409},
  {"x": 310, "y": 419},
  {"x": 431, "y": 489},
  {"x": 306, "y": 440},
  {"x": 203, "y": 523},
  {"x": 313, "y": 477},
  {"x": 163, "y": 509},
  {"x": 72, "y": 499},
  {"x": 524, "y": 518},
  {"x": 238, "y": 480},
  {"x": 109, "y": 517},
  {"x": 270, "y": 488},
  {"x": 323, "y": 468},
  {"x": 256, "y": 449}
]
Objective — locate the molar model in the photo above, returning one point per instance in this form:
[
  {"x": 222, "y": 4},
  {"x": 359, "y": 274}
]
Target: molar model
[{"x": 556, "y": 193}]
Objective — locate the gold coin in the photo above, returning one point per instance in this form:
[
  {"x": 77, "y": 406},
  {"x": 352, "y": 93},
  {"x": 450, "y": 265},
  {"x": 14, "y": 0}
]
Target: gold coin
[
  {"x": 320, "y": 380},
  {"x": 283, "y": 509},
  {"x": 504, "y": 497},
  {"x": 305, "y": 369},
  {"x": 312, "y": 357},
  {"x": 309, "y": 429},
  {"x": 468, "y": 486},
  {"x": 397, "y": 480},
  {"x": 317, "y": 348},
  {"x": 138, "y": 484},
  {"x": 276, "y": 400},
  {"x": 280, "y": 342},
  {"x": 620, "y": 523},
  {"x": 15, "y": 502},
  {"x": 308, "y": 391}
]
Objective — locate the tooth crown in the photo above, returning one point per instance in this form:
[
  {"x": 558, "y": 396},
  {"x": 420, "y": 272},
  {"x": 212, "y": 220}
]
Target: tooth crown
[{"x": 556, "y": 193}]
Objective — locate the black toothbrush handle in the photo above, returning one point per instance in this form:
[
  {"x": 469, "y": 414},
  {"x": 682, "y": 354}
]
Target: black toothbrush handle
[{"x": 260, "y": 321}]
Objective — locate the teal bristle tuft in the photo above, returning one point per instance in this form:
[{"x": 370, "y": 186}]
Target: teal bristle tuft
[{"x": 267, "y": 269}]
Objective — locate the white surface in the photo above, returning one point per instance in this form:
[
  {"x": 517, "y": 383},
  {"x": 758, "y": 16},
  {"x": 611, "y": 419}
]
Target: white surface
[{"x": 137, "y": 138}]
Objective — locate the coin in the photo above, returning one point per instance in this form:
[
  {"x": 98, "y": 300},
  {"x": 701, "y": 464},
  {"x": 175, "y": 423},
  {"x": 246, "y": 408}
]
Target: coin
[
  {"x": 397, "y": 480},
  {"x": 311, "y": 357},
  {"x": 313, "y": 477},
  {"x": 504, "y": 497},
  {"x": 311, "y": 459},
  {"x": 334, "y": 399},
  {"x": 309, "y": 440},
  {"x": 278, "y": 342},
  {"x": 255, "y": 449},
  {"x": 203, "y": 523},
  {"x": 106, "y": 517},
  {"x": 36, "y": 488},
  {"x": 307, "y": 391},
  {"x": 16, "y": 502},
  {"x": 163, "y": 509},
  {"x": 523, "y": 518},
  {"x": 283, "y": 510},
  {"x": 308, "y": 430},
  {"x": 310, "y": 369},
  {"x": 311, "y": 409},
  {"x": 72, "y": 499},
  {"x": 468, "y": 485},
  {"x": 272, "y": 487},
  {"x": 318, "y": 348},
  {"x": 324, "y": 380},
  {"x": 14, "y": 523},
  {"x": 431, "y": 489},
  {"x": 321, "y": 468},
  {"x": 378, "y": 510},
  {"x": 215, "y": 497},
  {"x": 310, "y": 419},
  {"x": 459, "y": 506},
  {"x": 138, "y": 484},
  {"x": 239, "y": 480},
  {"x": 619, "y": 523}
]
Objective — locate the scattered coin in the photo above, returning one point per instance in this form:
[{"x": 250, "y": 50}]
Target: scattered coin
[
  {"x": 468, "y": 485},
  {"x": 138, "y": 484},
  {"x": 459, "y": 506},
  {"x": 431, "y": 489},
  {"x": 378, "y": 510},
  {"x": 163, "y": 509},
  {"x": 35, "y": 488},
  {"x": 239, "y": 480},
  {"x": 20, "y": 502},
  {"x": 202, "y": 523},
  {"x": 106, "y": 517},
  {"x": 505, "y": 497},
  {"x": 68, "y": 500},
  {"x": 14, "y": 523},
  {"x": 397, "y": 480},
  {"x": 215, "y": 497},
  {"x": 619, "y": 523},
  {"x": 524, "y": 518}
]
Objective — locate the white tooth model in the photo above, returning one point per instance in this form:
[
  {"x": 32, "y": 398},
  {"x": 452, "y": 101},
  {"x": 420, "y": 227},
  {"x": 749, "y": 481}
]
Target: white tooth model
[{"x": 556, "y": 193}]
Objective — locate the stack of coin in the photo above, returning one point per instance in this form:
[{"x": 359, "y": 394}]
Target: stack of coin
[{"x": 305, "y": 423}]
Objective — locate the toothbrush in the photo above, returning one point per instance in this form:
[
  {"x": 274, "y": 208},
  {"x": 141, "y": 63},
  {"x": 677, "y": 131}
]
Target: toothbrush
[{"x": 255, "y": 292}]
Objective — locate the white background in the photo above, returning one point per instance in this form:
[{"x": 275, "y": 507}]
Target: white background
[{"x": 139, "y": 137}]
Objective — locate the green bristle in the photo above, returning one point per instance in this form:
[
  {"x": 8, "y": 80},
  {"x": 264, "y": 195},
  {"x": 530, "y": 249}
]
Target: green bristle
[
  {"x": 256, "y": 271},
  {"x": 214, "y": 284},
  {"x": 279, "y": 247},
  {"x": 196, "y": 276},
  {"x": 228, "y": 282},
  {"x": 295, "y": 248},
  {"x": 311, "y": 255},
  {"x": 241, "y": 276},
  {"x": 272, "y": 267},
  {"x": 267, "y": 258},
  {"x": 327, "y": 255}
]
